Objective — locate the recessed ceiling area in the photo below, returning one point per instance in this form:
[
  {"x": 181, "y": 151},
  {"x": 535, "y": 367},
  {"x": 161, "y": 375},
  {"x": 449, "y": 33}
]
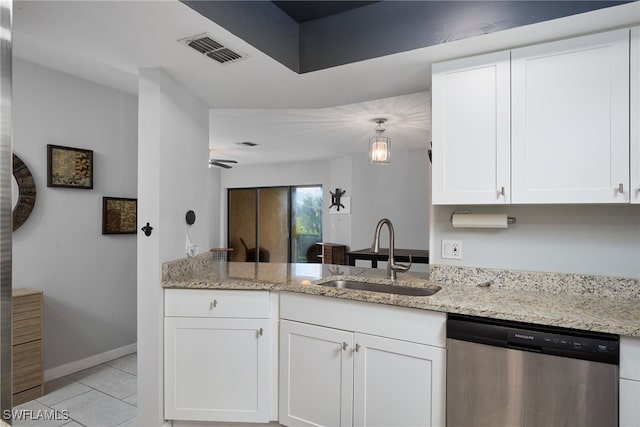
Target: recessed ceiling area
[
  {"x": 303, "y": 11},
  {"x": 309, "y": 36},
  {"x": 325, "y": 112}
]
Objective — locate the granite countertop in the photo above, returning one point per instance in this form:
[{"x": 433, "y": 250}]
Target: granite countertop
[{"x": 595, "y": 303}]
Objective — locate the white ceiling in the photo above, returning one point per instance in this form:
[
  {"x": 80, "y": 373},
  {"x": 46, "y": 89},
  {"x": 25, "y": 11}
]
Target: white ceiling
[
  {"x": 326, "y": 113},
  {"x": 286, "y": 135}
]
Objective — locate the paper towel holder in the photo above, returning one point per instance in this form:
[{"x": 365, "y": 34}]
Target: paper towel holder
[{"x": 510, "y": 219}]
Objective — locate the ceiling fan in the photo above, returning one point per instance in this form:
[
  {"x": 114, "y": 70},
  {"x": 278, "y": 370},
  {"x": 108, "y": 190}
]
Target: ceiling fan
[{"x": 221, "y": 163}]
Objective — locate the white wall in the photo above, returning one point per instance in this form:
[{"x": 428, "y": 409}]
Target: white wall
[
  {"x": 173, "y": 177},
  {"x": 89, "y": 280},
  {"x": 599, "y": 239},
  {"x": 397, "y": 191}
]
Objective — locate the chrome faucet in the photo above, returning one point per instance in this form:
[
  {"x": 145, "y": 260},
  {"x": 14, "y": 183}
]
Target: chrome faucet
[{"x": 392, "y": 267}]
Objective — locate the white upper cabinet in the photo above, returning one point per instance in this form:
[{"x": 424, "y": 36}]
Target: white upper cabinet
[
  {"x": 471, "y": 130},
  {"x": 635, "y": 115},
  {"x": 570, "y": 120}
]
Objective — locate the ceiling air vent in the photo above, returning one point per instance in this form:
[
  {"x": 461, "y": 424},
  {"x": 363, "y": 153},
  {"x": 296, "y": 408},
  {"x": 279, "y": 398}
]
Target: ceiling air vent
[{"x": 206, "y": 45}]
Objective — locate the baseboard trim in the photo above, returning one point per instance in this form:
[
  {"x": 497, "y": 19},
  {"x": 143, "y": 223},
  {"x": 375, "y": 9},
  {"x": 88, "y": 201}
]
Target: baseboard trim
[{"x": 89, "y": 362}]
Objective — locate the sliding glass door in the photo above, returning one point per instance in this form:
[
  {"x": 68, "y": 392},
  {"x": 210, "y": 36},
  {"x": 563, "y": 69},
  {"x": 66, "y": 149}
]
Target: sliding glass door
[
  {"x": 306, "y": 223},
  {"x": 259, "y": 224},
  {"x": 275, "y": 224}
]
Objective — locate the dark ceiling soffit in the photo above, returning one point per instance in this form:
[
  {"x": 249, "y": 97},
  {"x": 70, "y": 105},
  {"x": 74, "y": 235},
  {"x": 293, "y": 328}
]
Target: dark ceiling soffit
[
  {"x": 378, "y": 29},
  {"x": 389, "y": 27},
  {"x": 303, "y": 11},
  {"x": 260, "y": 23}
]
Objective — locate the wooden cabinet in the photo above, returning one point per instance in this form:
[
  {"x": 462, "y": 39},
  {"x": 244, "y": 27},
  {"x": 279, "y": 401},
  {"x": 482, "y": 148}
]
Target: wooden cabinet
[
  {"x": 363, "y": 365},
  {"x": 629, "y": 381},
  {"x": 635, "y": 116},
  {"x": 333, "y": 253},
  {"x": 27, "y": 356},
  {"x": 570, "y": 120},
  {"x": 219, "y": 351},
  {"x": 556, "y": 126},
  {"x": 471, "y": 130}
]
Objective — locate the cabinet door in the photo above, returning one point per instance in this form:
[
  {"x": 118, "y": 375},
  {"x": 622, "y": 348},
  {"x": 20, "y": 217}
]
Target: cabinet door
[
  {"x": 635, "y": 115},
  {"x": 316, "y": 375},
  {"x": 629, "y": 403},
  {"x": 570, "y": 120},
  {"x": 398, "y": 383},
  {"x": 216, "y": 369},
  {"x": 471, "y": 130}
]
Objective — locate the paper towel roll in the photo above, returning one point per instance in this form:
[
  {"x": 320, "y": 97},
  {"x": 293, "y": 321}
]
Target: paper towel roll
[{"x": 479, "y": 220}]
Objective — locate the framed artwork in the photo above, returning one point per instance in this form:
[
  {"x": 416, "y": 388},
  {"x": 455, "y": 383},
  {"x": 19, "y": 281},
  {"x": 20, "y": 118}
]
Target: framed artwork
[
  {"x": 119, "y": 216},
  {"x": 69, "y": 167}
]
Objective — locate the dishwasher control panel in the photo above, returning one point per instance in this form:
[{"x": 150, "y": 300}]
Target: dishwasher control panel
[
  {"x": 577, "y": 344},
  {"x": 548, "y": 342}
]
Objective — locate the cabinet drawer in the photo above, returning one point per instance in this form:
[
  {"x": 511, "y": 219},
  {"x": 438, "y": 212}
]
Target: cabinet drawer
[
  {"x": 27, "y": 366},
  {"x": 217, "y": 303},
  {"x": 408, "y": 324},
  {"x": 27, "y": 395},
  {"x": 27, "y": 330}
]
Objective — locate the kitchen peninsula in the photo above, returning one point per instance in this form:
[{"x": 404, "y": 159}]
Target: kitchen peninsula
[
  {"x": 299, "y": 352},
  {"x": 595, "y": 303}
]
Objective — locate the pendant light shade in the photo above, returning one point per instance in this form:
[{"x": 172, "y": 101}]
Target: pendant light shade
[{"x": 379, "y": 146}]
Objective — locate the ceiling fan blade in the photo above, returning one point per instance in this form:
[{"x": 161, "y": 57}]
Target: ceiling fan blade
[
  {"x": 222, "y": 165},
  {"x": 223, "y": 161}
]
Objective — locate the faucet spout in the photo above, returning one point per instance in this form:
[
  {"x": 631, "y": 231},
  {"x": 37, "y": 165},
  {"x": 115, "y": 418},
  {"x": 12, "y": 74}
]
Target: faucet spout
[{"x": 392, "y": 267}]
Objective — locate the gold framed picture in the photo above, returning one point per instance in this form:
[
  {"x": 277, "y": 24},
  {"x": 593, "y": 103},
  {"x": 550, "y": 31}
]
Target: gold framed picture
[
  {"x": 69, "y": 167},
  {"x": 119, "y": 215}
]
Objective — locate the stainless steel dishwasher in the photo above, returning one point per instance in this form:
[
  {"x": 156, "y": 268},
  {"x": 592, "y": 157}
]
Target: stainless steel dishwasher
[{"x": 509, "y": 374}]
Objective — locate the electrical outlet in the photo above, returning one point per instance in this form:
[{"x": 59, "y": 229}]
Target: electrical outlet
[{"x": 452, "y": 249}]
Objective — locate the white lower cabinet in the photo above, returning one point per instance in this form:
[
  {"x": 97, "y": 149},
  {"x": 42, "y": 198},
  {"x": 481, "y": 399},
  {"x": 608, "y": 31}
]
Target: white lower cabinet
[
  {"x": 629, "y": 382},
  {"x": 396, "y": 382},
  {"x": 331, "y": 376},
  {"x": 316, "y": 371},
  {"x": 217, "y": 367},
  {"x": 629, "y": 403}
]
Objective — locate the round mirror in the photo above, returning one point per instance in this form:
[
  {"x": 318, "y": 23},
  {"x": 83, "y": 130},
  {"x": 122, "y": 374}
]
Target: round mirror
[
  {"x": 23, "y": 192},
  {"x": 15, "y": 192}
]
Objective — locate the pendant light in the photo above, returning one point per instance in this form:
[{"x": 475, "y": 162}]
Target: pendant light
[{"x": 379, "y": 146}]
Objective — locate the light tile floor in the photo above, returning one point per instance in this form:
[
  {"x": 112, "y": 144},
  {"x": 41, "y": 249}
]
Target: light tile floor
[{"x": 102, "y": 396}]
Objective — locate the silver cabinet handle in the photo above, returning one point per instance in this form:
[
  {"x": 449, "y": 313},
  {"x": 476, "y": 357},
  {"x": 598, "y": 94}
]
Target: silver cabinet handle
[
  {"x": 357, "y": 349},
  {"x": 259, "y": 333},
  {"x": 501, "y": 191},
  {"x": 344, "y": 346},
  {"x": 621, "y": 188},
  {"x": 213, "y": 304}
]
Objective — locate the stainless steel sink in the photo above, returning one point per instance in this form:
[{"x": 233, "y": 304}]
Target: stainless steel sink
[{"x": 380, "y": 287}]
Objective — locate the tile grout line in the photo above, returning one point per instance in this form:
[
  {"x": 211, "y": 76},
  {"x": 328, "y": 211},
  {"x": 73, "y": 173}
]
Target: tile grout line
[
  {"x": 70, "y": 381},
  {"x": 103, "y": 392}
]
